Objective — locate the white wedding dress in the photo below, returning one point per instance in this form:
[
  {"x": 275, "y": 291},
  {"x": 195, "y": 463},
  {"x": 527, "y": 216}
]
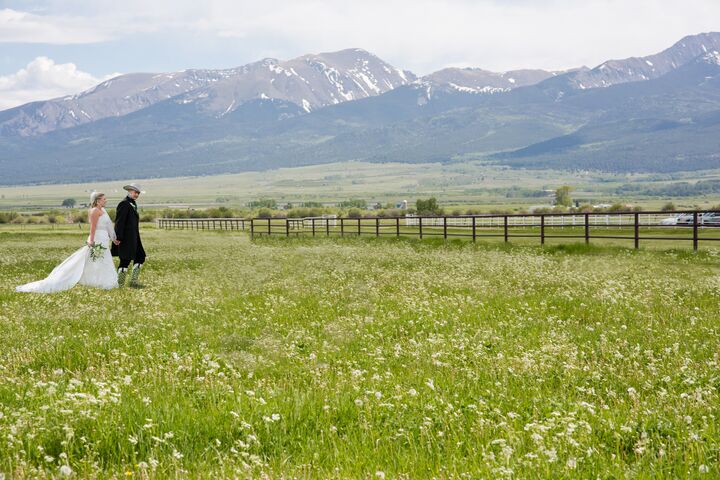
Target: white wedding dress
[{"x": 80, "y": 268}]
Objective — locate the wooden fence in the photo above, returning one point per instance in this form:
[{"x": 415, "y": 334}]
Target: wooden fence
[
  {"x": 637, "y": 227},
  {"x": 203, "y": 223},
  {"x": 634, "y": 226}
]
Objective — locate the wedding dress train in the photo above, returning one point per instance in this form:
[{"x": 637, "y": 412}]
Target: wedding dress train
[{"x": 80, "y": 268}]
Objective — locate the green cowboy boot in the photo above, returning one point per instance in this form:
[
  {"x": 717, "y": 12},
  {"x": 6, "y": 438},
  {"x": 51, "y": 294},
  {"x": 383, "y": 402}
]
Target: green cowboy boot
[
  {"x": 122, "y": 275},
  {"x": 134, "y": 276}
]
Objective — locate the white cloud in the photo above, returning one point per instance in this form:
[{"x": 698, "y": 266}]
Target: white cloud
[
  {"x": 25, "y": 27},
  {"x": 421, "y": 35},
  {"x": 43, "y": 79}
]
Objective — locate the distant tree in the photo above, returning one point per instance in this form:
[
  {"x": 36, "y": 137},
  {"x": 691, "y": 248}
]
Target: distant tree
[
  {"x": 263, "y": 203},
  {"x": 354, "y": 203},
  {"x": 619, "y": 207},
  {"x": 264, "y": 213},
  {"x": 428, "y": 207},
  {"x": 69, "y": 203},
  {"x": 312, "y": 204},
  {"x": 668, "y": 207},
  {"x": 562, "y": 196},
  {"x": 354, "y": 213}
]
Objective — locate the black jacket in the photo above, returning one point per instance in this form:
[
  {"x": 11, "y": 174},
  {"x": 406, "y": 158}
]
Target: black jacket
[{"x": 127, "y": 230}]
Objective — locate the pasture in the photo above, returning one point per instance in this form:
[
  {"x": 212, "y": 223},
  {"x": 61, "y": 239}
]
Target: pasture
[{"x": 362, "y": 358}]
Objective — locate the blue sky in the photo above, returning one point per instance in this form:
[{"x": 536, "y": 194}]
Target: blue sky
[{"x": 52, "y": 47}]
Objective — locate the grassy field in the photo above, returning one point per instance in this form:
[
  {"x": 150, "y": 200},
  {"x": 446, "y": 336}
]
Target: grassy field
[
  {"x": 361, "y": 358},
  {"x": 470, "y": 184}
]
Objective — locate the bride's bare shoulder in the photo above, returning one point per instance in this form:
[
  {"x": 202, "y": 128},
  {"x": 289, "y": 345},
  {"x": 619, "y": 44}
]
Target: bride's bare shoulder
[{"x": 96, "y": 211}]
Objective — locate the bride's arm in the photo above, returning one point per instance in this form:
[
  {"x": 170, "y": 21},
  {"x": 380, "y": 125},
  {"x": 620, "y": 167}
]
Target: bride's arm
[{"x": 94, "y": 216}]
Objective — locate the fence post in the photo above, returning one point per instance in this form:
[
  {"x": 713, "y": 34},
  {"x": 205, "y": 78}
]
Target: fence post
[
  {"x": 637, "y": 230},
  {"x": 287, "y": 227},
  {"x": 397, "y": 226},
  {"x": 313, "y": 227},
  {"x": 474, "y": 235},
  {"x": 695, "y": 230},
  {"x": 269, "y": 231},
  {"x": 252, "y": 228},
  {"x": 542, "y": 229},
  {"x": 327, "y": 227},
  {"x": 358, "y": 226},
  {"x": 505, "y": 223},
  {"x": 342, "y": 227},
  {"x": 377, "y": 227},
  {"x": 445, "y": 228},
  {"x": 587, "y": 229},
  {"x": 420, "y": 223}
]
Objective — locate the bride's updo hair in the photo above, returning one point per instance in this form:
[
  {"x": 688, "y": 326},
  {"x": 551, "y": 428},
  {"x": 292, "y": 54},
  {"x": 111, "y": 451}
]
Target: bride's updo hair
[{"x": 94, "y": 198}]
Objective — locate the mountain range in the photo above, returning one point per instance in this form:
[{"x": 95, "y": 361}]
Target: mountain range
[{"x": 659, "y": 113}]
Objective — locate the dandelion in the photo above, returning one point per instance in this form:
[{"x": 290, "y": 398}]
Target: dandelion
[
  {"x": 571, "y": 463},
  {"x": 177, "y": 454},
  {"x": 703, "y": 468},
  {"x": 358, "y": 402},
  {"x": 380, "y": 475},
  {"x": 65, "y": 471}
]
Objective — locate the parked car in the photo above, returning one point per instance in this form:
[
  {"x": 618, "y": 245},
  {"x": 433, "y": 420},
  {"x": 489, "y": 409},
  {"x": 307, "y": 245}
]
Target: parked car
[
  {"x": 684, "y": 219},
  {"x": 710, "y": 218},
  {"x": 670, "y": 220}
]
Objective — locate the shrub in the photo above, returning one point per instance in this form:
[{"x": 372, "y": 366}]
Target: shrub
[
  {"x": 619, "y": 207},
  {"x": 267, "y": 203},
  {"x": 354, "y": 213},
  {"x": 264, "y": 213},
  {"x": 355, "y": 203},
  {"x": 668, "y": 207},
  {"x": 7, "y": 217},
  {"x": 428, "y": 207}
]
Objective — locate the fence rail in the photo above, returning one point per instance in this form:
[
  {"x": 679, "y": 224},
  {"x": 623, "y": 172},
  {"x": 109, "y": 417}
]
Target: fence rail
[
  {"x": 203, "y": 223},
  {"x": 635, "y": 226}
]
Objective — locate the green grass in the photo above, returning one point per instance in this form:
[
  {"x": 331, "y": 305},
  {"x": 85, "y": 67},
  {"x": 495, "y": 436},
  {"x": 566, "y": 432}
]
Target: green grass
[{"x": 344, "y": 358}]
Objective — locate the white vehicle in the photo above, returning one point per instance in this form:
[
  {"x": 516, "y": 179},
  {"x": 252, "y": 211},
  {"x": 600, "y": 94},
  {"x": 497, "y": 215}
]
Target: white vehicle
[
  {"x": 685, "y": 219},
  {"x": 670, "y": 220},
  {"x": 711, "y": 218}
]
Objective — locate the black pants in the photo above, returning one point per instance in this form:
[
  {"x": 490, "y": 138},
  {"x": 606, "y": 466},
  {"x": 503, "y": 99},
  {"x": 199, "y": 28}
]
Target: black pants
[{"x": 139, "y": 258}]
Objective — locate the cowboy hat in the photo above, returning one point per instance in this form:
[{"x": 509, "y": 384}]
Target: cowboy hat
[{"x": 132, "y": 186}]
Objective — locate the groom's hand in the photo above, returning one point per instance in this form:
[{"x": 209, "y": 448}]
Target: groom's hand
[{"x": 116, "y": 242}]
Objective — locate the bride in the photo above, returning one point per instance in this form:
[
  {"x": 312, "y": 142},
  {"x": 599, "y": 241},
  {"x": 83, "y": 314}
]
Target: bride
[{"x": 92, "y": 265}]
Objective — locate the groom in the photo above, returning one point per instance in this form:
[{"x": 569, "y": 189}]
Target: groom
[{"x": 128, "y": 245}]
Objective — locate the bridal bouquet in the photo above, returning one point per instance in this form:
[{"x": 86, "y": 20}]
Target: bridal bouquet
[{"x": 96, "y": 251}]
